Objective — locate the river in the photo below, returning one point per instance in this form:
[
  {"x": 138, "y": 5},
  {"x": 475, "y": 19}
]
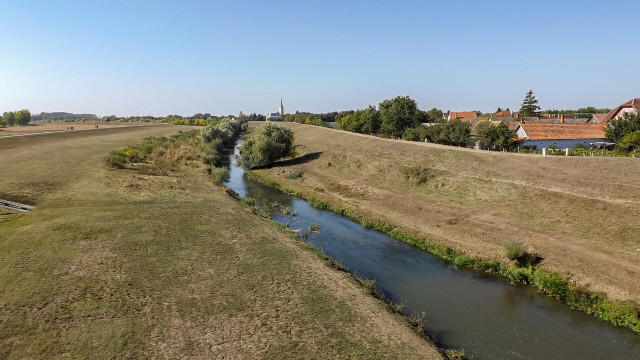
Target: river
[{"x": 461, "y": 309}]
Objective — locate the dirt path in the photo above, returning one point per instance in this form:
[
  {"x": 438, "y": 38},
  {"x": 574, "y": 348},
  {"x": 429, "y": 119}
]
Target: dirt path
[{"x": 580, "y": 214}]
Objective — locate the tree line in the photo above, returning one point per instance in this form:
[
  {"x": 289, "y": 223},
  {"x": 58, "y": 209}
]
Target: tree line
[
  {"x": 401, "y": 118},
  {"x": 62, "y": 116},
  {"x": 17, "y": 118}
]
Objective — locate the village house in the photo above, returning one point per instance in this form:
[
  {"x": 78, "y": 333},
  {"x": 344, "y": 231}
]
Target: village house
[
  {"x": 630, "y": 107},
  {"x": 596, "y": 118},
  {"x": 503, "y": 113},
  {"x": 461, "y": 115},
  {"x": 562, "y": 135}
]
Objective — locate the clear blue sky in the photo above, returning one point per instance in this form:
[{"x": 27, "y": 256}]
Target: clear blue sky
[{"x": 182, "y": 57}]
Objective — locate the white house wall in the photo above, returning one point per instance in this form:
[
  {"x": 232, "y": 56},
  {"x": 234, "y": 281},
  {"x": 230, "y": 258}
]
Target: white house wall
[
  {"x": 562, "y": 144},
  {"x": 624, "y": 111}
]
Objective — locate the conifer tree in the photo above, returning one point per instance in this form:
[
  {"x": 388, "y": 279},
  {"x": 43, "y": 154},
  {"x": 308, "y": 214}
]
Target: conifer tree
[{"x": 529, "y": 105}]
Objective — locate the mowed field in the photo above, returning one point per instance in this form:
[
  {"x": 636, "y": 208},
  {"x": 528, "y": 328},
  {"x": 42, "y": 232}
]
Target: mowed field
[
  {"x": 580, "y": 214},
  {"x": 116, "y": 264}
]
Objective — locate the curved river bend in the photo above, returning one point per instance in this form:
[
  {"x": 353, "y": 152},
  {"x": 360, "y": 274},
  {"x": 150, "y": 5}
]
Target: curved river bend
[{"x": 486, "y": 316}]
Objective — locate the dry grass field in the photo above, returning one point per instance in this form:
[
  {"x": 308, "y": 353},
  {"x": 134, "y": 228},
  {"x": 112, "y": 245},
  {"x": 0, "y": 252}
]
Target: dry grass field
[
  {"x": 116, "y": 264},
  {"x": 580, "y": 214},
  {"x": 36, "y": 128}
]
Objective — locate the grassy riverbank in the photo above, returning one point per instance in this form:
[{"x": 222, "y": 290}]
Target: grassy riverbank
[
  {"x": 396, "y": 204},
  {"x": 117, "y": 263}
]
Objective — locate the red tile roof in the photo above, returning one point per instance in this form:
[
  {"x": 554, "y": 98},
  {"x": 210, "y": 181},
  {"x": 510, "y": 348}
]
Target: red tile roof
[
  {"x": 512, "y": 125},
  {"x": 462, "y": 114},
  {"x": 503, "y": 113},
  {"x": 633, "y": 103},
  {"x": 563, "y": 131}
]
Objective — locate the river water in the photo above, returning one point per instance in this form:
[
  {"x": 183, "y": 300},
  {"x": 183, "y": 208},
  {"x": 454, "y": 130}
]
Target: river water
[{"x": 461, "y": 309}]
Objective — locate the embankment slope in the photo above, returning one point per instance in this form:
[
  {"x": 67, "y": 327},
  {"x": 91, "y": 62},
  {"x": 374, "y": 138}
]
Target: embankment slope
[{"x": 580, "y": 214}]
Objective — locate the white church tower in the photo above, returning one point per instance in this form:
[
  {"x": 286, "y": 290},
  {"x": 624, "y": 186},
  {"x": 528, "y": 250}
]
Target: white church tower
[{"x": 281, "y": 108}]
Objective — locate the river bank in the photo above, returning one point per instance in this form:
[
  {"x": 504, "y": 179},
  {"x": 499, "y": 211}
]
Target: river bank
[
  {"x": 113, "y": 263},
  {"x": 374, "y": 179}
]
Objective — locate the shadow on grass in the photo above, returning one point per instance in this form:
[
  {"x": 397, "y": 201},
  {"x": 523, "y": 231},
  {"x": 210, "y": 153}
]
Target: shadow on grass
[
  {"x": 529, "y": 259},
  {"x": 295, "y": 161}
]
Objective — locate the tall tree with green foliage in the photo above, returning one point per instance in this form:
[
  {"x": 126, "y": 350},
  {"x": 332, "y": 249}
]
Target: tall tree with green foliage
[
  {"x": 529, "y": 105},
  {"x": 398, "y": 114},
  {"x": 435, "y": 115},
  {"x": 9, "y": 118},
  {"x": 23, "y": 117}
]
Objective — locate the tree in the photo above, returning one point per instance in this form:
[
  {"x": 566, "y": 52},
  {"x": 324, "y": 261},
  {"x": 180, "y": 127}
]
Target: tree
[
  {"x": 9, "y": 118},
  {"x": 2, "y": 123},
  {"x": 22, "y": 117},
  {"x": 504, "y": 137},
  {"x": 587, "y": 110},
  {"x": 619, "y": 128},
  {"x": 498, "y": 137},
  {"x": 435, "y": 115},
  {"x": 454, "y": 132},
  {"x": 529, "y": 105},
  {"x": 630, "y": 142},
  {"x": 398, "y": 114},
  {"x": 267, "y": 143},
  {"x": 365, "y": 121}
]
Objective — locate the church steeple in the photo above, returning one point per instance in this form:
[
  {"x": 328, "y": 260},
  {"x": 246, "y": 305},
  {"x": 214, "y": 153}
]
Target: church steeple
[{"x": 281, "y": 108}]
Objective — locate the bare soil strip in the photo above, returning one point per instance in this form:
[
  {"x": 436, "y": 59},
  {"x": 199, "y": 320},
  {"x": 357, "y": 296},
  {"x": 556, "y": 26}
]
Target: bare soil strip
[{"x": 580, "y": 214}]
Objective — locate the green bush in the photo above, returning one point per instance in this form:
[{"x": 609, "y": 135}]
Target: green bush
[
  {"x": 552, "y": 284},
  {"x": 418, "y": 133},
  {"x": 513, "y": 249},
  {"x": 629, "y": 142},
  {"x": 218, "y": 136},
  {"x": 314, "y": 227},
  {"x": 219, "y": 174},
  {"x": 295, "y": 174},
  {"x": 116, "y": 159},
  {"x": 454, "y": 132},
  {"x": 268, "y": 143}
]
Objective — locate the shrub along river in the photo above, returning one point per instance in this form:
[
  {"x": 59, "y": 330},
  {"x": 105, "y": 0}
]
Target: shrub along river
[{"x": 484, "y": 315}]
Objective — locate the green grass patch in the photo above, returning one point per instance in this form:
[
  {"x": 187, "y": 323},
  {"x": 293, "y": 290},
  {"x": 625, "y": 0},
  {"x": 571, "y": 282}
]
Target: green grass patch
[{"x": 295, "y": 174}]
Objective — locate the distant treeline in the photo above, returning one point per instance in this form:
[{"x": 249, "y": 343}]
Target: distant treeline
[
  {"x": 62, "y": 116},
  {"x": 585, "y": 112},
  {"x": 197, "y": 119}
]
